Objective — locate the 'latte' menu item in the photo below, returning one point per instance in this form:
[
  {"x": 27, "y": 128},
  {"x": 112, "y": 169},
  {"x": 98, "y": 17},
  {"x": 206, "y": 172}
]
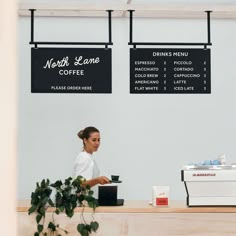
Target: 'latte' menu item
[{"x": 170, "y": 70}]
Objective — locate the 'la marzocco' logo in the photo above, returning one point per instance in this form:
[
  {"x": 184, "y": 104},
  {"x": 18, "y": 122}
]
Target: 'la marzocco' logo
[{"x": 204, "y": 174}]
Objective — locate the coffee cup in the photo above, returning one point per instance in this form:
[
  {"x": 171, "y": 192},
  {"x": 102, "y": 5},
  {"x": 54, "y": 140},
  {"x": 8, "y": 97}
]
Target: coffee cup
[
  {"x": 207, "y": 162},
  {"x": 115, "y": 177},
  {"x": 216, "y": 162}
]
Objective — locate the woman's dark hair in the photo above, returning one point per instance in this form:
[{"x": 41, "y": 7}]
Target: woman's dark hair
[{"x": 85, "y": 133}]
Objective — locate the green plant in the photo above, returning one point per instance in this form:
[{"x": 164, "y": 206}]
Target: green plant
[{"x": 68, "y": 195}]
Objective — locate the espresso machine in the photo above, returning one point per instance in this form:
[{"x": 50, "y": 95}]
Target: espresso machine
[{"x": 210, "y": 185}]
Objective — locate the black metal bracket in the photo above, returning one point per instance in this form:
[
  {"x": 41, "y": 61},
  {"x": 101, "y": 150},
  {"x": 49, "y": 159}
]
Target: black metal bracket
[
  {"x": 36, "y": 43},
  {"x": 134, "y": 44}
]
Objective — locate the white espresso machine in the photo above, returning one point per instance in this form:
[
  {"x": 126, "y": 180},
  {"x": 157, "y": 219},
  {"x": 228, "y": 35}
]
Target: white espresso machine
[{"x": 210, "y": 185}]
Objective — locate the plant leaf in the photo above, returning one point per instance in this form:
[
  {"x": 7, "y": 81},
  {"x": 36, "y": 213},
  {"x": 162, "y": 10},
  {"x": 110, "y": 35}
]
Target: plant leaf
[
  {"x": 57, "y": 184},
  {"x": 89, "y": 198},
  {"x": 48, "y": 182},
  {"x": 38, "y": 218},
  {"x": 87, "y": 187},
  {"x": 32, "y": 209},
  {"x": 80, "y": 228},
  {"x": 92, "y": 204},
  {"x": 43, "y": 183},
  {"x": 85, "y": 232},
  {"x": 40, "y": 228},
  {"x": 41, "y": 210},
  {"x": 58, "y": 199},
  {"x": 57, "y": 211},
  {"x": 67, "y": 181},
  {"x": 52, "y": 226},
  {"x": 44, "y": 200},
  {"x": 94, "y": 226},
  {"x": 88, "y": 227},
  {"x": 81, "y": 198},
  {"x": 69, "y": 212},
  {"x": 50, "y": 202}
]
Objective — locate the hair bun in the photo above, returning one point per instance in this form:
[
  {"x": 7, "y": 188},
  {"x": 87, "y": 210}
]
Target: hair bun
[{"x": 81, "y": 134}]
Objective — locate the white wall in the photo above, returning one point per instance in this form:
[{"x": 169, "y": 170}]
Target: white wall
[{"x": 146, "y": 139}]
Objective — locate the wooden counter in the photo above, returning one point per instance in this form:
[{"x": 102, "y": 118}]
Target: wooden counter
[
  {"x": 138, "y": 218},
  {"x": 143, "y": 207}
]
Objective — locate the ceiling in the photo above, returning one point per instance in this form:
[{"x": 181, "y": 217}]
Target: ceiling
[{"x": 149, "y": 8}]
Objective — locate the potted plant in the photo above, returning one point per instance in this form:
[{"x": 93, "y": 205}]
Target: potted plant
[{"x": 67, "y": 196}]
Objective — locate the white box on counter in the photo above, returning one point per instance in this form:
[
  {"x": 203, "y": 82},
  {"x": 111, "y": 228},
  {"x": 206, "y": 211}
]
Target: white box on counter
[{"x": 160, "y": 195}]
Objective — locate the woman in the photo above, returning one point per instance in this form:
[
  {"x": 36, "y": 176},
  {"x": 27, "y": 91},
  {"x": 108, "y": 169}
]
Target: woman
[{"x": 84, "y": 164}]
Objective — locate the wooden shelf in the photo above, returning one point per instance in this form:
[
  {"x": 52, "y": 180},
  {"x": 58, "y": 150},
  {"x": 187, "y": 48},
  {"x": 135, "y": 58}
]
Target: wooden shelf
[{"x": 220, "y": 11}]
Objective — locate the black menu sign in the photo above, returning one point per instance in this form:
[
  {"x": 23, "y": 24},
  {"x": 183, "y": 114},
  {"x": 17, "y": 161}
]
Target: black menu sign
[
  {"x": 70, "y": 70},
  {"x": 170, "y": 70}
]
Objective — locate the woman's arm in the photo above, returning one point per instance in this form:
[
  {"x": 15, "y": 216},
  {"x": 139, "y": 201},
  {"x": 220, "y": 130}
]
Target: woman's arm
[{"x": 99, "y": 180}]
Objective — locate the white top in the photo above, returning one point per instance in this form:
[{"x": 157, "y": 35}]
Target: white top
[{"x": 85, "y": 166}]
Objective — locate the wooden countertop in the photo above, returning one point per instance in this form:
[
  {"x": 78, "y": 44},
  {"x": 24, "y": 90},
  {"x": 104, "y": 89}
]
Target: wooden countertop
[{"x": 141, "y": 207}]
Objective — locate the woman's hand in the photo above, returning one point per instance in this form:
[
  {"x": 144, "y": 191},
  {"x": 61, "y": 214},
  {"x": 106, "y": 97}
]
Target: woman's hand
[
  {"x": 103, "y": 180},
  {"x": 99, "y": 180}
]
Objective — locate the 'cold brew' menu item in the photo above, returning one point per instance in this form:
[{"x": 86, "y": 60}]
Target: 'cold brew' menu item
[
  {"x": 71, "y": 70},
  {"x": 170, "y": 70}
]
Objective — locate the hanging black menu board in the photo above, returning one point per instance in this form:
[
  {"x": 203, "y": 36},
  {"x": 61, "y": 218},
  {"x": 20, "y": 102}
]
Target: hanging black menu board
[
  {"x": 170, "y": 70},
  {"x": 70, "y": 70}
]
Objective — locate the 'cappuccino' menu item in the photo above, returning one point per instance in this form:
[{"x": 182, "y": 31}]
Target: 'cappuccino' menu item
[{"x": 170, "y": 70}]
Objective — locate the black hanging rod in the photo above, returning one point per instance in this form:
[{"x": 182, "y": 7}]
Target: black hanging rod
[
  {"x": 71, "y": 43},
  {"x": 36, "y": 43},
  {"x": 172, "y": 43},
  {"x": 153, "y": 43}
]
